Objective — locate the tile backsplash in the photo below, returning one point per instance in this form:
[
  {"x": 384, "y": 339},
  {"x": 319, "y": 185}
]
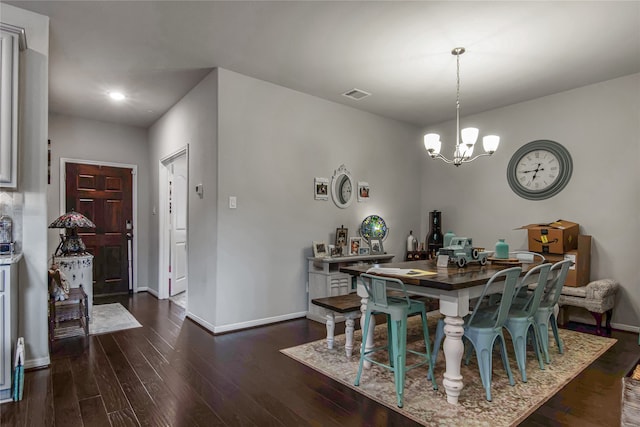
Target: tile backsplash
[{"x": 11, "y": 204}]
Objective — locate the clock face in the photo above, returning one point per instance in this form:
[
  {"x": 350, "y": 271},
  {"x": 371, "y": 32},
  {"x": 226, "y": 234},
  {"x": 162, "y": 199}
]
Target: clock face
[
  {"x": 539, "y": 170},
  {"x": 345, "y": 190}
]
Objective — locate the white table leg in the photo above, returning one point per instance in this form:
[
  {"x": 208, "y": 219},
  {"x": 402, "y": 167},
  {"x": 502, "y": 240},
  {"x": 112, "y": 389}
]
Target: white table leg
[
  {"x": 454, "y": 308},
  {"x": 331, "y": 325},
  {"x": 348, "y": 332},
  {"x": 453, "y": 350}
]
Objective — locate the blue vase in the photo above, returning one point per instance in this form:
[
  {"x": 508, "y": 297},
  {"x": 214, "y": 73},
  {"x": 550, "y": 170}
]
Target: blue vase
[{"x": 502, "y": 249}]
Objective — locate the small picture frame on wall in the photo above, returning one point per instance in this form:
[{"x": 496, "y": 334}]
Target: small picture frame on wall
[
  {"x": 363, "y": 250},
  {"x": 321, "y": 188},
  {"x": 376, "y": 246},
  {"x": 363, "y": 191},
  {"x": 354, "y": 245},
  {"x": 319, "y": 249}
]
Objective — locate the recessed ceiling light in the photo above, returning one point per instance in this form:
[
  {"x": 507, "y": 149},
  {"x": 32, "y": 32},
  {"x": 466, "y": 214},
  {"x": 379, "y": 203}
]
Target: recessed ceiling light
[{"x": 117, "y": 96}]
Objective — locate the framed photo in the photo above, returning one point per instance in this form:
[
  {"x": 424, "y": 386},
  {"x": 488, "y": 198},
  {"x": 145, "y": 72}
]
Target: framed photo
[
  {"x": 341, "y": 238},
  {"x": 354, "y": 245},
  {"x": 363, "y": 250},
  {"x": 319, "y": 249},
  {"x": 363, "y": 191},
  {"x": 333, "y": 251},
  {"x": 321, "y": 188},
  {"x": 376, "y": 246}
]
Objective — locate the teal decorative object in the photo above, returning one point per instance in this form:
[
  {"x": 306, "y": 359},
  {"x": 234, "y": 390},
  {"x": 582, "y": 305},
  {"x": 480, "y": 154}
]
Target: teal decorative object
[
  {"x": 374, "y": 227},
  {"x": 447, "y": 238},
  {"x": 502, "y": 249}
]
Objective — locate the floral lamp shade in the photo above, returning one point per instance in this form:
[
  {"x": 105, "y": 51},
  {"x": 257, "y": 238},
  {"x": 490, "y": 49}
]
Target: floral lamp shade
[
  {"x": 71, "y": 243},
  {"x": 72, "y": 219}
]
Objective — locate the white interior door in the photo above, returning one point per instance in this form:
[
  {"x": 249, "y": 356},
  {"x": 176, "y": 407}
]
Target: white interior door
[{"x": 178, "y": 224}]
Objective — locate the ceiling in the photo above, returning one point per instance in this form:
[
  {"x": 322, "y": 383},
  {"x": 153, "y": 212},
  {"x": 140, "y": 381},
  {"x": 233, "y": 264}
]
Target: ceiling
[{"x": 156, "y": 51}]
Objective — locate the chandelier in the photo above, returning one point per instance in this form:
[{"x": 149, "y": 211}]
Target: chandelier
[{"x": 464, "y": 151}]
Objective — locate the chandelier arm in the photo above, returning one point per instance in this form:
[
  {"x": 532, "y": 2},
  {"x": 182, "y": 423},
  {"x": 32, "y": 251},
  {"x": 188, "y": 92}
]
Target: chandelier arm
[
  {"x": 443, "y": 158},
  {"x": 475, "y": 157}
]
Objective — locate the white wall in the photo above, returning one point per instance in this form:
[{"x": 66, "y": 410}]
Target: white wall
[
  {"x": 600, "y": 126},
  {"x": 91, "y": 140},
  {"x": 272, "y": 142},
  {"x": 34, "y": 99},
  {"x": 265, "y": 144},
  {"x": 192, "y": 121}
]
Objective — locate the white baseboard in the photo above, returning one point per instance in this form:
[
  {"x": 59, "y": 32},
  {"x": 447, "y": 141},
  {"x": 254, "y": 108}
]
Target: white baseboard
[
  {"x": 243, "y": 325},
  {"x": 623, "y": 327},
  {"x": 257, "y": 322},
  {"x": 37, "y": 363},
  {"x": 149, "y": 290},
  {"x": 200, "y": 321}
]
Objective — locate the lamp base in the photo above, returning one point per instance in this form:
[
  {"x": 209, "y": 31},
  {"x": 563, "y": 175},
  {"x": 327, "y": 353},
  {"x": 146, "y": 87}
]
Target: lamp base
[{"x": 72, "y": 245}]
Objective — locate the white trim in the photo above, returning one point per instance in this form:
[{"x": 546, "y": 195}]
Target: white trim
[
  {"x": 134, "y": 201},
  {"x": 37, "y": 363},
  {"x": 244, "y": 325},
  {"x": 623, "y": 327},
  {"x": 163, "y": 220},
  {"x": 149, "y": 290}
]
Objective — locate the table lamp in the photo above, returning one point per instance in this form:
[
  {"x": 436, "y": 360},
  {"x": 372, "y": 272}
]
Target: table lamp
[{"x": 71, "y": 243}]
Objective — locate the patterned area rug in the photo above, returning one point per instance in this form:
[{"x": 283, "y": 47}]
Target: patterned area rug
[
  {"x": 107, "y": 318},
  {"x": 510, "y": 404}
]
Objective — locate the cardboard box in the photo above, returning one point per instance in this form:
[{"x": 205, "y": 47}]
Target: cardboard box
[
  {"x": 557, "y": 237},
  {"x": 580, "y": 273}
]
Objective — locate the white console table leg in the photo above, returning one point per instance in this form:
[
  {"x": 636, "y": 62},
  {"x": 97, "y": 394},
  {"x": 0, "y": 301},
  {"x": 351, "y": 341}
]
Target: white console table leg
[
  {"x": 348, "y": 332},
  {"x": 331, "y": 325},
  {"x": 453, "y": 351}
]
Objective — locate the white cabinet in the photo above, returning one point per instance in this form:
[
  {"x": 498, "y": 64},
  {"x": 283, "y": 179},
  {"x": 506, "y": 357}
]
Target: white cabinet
[
  {"x": 326, "y": 280},
  {"x": 12, "y": 40},
  {"x": 9, "y": 322},
  {"x": 78, "y": 270}
]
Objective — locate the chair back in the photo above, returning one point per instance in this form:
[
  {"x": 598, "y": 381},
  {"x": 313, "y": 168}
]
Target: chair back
[
  {"x": 553, "y": 287},
  {"x": 510, "y": 277},
  {"x": 533, "y": 300},
  {"x": 376, "y": 287}
]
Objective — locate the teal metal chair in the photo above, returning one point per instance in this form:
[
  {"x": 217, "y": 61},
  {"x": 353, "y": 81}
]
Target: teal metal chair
[
  {"x": 397, "y": 310},
  {"x": 545, "y": 314},
  {"x": 484, "y": 326},
  {"x": 520, "y": 320}
]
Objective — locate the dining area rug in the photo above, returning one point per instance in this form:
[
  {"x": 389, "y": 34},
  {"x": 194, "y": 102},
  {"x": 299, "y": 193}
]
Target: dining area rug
[{"x": 510, "y": 405}]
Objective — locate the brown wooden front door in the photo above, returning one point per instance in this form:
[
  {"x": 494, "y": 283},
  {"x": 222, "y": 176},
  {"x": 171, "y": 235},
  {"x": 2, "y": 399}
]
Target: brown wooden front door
[{"x": 104, "y": 195}]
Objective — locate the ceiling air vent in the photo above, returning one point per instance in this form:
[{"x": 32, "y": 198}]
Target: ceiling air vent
[{"x": 356, "y": 94}]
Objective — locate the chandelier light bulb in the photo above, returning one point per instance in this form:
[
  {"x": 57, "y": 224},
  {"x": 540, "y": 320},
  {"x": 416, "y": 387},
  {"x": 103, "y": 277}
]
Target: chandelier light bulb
[{"x": 490, "y": 143}]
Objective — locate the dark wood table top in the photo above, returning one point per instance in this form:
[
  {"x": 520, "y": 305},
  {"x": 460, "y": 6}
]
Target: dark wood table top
[{"x": 446, "y": 278}]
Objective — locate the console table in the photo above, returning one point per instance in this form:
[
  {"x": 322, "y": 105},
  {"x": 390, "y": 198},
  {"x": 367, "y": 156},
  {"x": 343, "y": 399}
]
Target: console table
[
  {"x": 78, "y": 269},
  {"x": 326, "y": 280}
]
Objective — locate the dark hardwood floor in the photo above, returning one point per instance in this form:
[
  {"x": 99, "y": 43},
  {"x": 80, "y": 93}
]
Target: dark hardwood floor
[{"x": 172, "y": 372}]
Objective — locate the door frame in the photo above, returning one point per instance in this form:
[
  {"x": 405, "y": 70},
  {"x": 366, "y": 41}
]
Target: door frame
[
  {"x": 134, "y": 201},
  {"x": 163, "y": 221}
]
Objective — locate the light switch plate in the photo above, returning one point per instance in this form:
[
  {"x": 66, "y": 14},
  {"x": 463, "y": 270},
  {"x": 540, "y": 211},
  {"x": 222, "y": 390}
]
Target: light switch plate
[{"x": 233, "y": 202}]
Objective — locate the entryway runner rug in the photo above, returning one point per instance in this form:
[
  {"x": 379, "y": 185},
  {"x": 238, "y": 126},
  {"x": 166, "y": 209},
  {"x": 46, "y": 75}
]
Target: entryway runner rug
[
  {"x": 107, "y": 318},
  {"x": 510, "y": 405}
]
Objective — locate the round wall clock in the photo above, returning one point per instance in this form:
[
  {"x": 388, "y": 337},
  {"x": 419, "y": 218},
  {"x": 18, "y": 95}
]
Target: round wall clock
[
  {"x": 342, "y": 187},
  {"x": 539, "y": 170}
]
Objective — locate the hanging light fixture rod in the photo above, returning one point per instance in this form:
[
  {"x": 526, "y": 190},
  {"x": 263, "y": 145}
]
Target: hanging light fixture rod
[{"x": 464, "y": 151}]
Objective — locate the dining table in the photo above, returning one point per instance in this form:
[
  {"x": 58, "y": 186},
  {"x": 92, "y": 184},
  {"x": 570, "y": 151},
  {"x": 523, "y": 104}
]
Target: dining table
[{"x": 454, "y": 287}]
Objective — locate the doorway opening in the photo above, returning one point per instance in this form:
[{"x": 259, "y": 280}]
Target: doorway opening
[
  {"x": 173, "y": 221},
  {"x": 106, "y": 193}
]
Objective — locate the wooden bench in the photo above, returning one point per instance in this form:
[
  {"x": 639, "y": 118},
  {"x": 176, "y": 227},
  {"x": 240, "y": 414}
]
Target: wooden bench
[
  {"x": 598, "y": 297},
  {"x": 347, "y": 305}
]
